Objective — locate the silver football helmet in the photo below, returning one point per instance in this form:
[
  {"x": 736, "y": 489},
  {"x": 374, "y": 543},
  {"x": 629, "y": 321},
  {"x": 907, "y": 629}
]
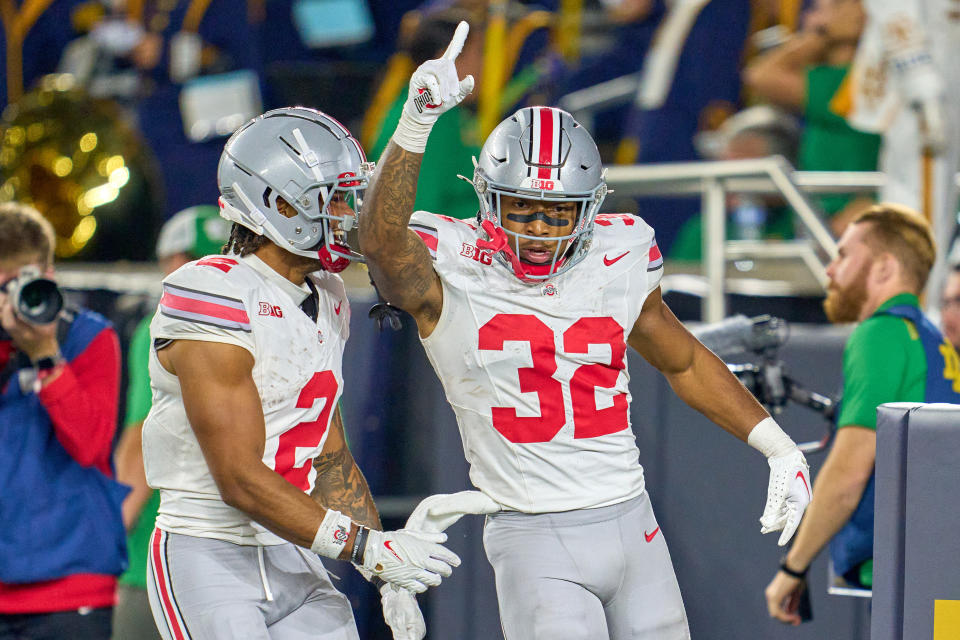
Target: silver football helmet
[
  {"x": 313, "y": 163},
  {"x": 539, "y": 153}
]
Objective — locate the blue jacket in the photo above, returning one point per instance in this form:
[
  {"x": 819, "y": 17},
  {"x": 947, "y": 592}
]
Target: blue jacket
[
  {"x": 57, "y": 518},
  {"x": 853, "y": 544}
]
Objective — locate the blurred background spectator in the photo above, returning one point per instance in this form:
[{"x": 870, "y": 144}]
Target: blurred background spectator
[
  {"x": 905, "y": 84},
  {"x": 690, "y": 81},
  {"x": 189, "y": 72},
  {"x": 950, "y": 307},
  {"x": 804, "y": 75},
  {"x": 34, "y": 35},
  {"x": 189, "y": 235},
  {"x": 757, "y": 132}
]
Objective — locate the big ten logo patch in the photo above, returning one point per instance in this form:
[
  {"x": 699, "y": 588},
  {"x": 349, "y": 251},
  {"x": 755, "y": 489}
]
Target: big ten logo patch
[
  {"x": 267, "y": 309},
  {"x": 545, "y": 185},
  {"x": 470, "y": 251}
]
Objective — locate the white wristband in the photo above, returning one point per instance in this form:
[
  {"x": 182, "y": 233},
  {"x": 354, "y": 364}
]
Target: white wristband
[
  {"x": 411, "y": 135},
  {"x": 769, "y": 439},
  {"x": 332, "y": 534}
]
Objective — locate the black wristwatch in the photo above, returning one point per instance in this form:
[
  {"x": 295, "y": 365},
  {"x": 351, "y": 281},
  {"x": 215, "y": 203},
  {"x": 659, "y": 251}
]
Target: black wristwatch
[
  {"x": 47, "y": 363},
  {"x": 800, "y": 575}
]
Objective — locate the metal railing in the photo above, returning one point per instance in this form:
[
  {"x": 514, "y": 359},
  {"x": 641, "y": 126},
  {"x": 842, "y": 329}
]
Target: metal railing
[
  {"x": 584, "y": 103},
  {"x": 712, "y": 181}
]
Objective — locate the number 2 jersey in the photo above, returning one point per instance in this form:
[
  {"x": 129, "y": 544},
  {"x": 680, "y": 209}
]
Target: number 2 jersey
[
  {"x": 537, "y": 373},
  {"x": 297, "y": 371}
]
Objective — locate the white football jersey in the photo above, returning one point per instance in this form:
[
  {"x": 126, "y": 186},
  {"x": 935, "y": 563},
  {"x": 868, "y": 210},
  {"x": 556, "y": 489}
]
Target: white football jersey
[
  {"x": 537, "y": 373},
  {"x": 297, "y": 370}
]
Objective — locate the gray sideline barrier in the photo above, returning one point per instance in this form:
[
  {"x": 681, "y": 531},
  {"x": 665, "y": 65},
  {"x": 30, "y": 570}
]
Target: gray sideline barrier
[{"x": 916, "y": 539}]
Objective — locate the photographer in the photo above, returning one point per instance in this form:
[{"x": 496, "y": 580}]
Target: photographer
[
  {"x": 61, "y": 536},
  {"x": 895, "y": 354}
]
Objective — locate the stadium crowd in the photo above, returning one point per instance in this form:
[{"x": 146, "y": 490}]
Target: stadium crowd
[{"x": 160, "y": 85}]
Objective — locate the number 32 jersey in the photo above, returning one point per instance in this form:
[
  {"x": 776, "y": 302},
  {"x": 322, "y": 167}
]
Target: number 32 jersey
[
  {"x": 537, "y": 373},
  {"x": 297, "y": 371}
]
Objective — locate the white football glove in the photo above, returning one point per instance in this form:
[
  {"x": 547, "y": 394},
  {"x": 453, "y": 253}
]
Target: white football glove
[
  {"x": 434, "y": 90},
  {"x": 788, "y": 494},
  {"x": 401, "y": 613},
  {"x": 409, "y": 559},
  {"x": 436, "y": 513},
  {"x": 432, "y": 516}
]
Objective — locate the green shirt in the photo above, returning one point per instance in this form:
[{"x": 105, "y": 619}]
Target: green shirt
[
  {"x": 828, "y": 142},
  {"x": 450, "y": 151},
  {"x": 688, "y": 245},
  {"x": 883, "y": 361},
  {"x": 139, "y": 398}
]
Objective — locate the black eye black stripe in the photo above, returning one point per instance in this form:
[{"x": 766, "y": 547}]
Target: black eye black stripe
[{"x": 538, "y": 215}]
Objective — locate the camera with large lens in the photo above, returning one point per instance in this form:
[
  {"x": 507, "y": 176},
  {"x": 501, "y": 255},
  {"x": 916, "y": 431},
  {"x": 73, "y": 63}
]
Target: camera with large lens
[{"x": 35, "y": 298}]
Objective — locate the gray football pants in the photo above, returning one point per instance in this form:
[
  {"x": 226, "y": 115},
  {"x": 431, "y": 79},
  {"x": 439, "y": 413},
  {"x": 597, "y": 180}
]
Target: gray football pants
[
  {"x": 585, "y": 575},
  {"x": 202, "y": 589}
]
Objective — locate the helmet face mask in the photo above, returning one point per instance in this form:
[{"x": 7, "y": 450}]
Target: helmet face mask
[
  {"x": 503, "y": 202},
  {"x": 312, "y": 163},
  {"x": 539, "y": 153}
]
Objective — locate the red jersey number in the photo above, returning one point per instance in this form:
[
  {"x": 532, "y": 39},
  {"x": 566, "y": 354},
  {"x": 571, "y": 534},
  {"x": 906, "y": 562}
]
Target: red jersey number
[
  {"x": 538, "y": 378},
  {"x": 306, "y": 434},
  {"x": 588, "y": 420}
]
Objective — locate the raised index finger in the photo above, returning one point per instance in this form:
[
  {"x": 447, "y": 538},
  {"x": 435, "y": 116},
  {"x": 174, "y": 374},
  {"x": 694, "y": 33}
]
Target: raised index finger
[{"x": 456, "y": 43}]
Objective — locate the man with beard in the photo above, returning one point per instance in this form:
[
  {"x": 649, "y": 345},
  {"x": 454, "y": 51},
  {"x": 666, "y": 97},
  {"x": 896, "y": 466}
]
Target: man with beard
[
  {"x": 950, "y": 307},
  {"x": 894, "y": 355}
]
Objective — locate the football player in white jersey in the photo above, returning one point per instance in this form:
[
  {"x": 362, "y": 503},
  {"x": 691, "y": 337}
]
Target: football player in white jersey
[
  {"x": 526, "y": 317},
  {"x": 244, "y": 439}
]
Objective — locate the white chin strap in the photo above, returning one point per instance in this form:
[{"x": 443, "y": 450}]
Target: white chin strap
[{"x": 252, "y": 218}]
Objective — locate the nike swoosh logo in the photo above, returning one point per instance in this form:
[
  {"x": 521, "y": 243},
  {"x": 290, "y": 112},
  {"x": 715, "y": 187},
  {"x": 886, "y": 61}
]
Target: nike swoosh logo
[
  {"x": 607, "y": 261},
  {"x": 390, "y": 549},
  {"x": 801, "y": 476},
  {"x": 337, "y": 308},
  {"x": 650, "y": 536}
]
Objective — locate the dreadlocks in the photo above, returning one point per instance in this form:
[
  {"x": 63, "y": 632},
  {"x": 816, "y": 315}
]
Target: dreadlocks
[{"x": 243, "y": 241}]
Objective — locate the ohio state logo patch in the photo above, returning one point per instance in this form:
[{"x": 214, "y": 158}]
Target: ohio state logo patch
[
  {"x": 549, "y": 289},
  {"x": 341, "y": 534},
  {"x": 471, "y": 251}
]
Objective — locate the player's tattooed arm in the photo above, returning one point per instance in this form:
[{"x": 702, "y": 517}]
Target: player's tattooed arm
[
  {"x": 340, "y": 484},
  {"x": 398, "y": 260}
]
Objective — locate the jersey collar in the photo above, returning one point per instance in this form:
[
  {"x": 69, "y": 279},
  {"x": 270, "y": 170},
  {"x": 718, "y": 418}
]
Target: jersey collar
[
  {"x": 297, "y": 293},
  {"x": 899, "y": 299}
]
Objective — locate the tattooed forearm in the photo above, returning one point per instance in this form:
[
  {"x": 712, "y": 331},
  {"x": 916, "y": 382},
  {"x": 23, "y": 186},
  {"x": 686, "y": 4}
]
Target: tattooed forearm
[
  {"x": 398, "y": 259},
  {"x": 391, "y": 195},
  {"x": 340, "y": 485}
]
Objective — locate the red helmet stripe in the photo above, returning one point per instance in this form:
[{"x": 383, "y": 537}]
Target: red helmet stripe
[
  {"x": 655, "y": 258},
  {"x": 545, "y": 117}
]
